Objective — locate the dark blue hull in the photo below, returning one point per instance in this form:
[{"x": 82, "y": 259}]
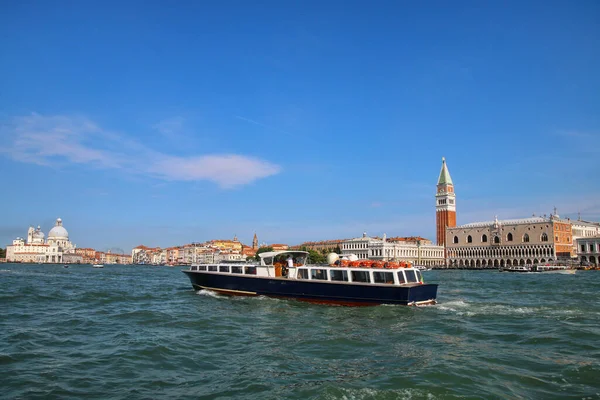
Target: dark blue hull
[{"x": 315, "y": 291}]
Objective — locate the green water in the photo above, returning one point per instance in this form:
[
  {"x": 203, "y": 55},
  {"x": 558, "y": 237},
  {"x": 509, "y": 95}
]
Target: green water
[{"x": 135, "y": 332}]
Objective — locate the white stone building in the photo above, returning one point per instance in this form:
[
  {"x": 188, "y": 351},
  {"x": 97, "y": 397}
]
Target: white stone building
[
  {"x": 589, "y": 250},
  {"x": 372, "y": 248},
  {"x": 582, "y": 230},
  {"x": 35, "y": 249}
]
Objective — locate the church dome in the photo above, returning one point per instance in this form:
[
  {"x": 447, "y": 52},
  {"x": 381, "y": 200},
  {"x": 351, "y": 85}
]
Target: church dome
[
  {"x": 38, "y": 234},
  {"x": 58, "y": 232}
]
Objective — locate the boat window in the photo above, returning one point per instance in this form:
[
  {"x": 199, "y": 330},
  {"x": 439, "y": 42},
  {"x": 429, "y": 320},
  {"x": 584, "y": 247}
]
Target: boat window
[
  {"x": 300, "y": 260},
  {"x": 202, "y": 268},
  {"x": 224, "y": 268},
  {"x": 383, "y": 277},
  {"x": 212, "y": 268},
  {"x": 236, "y": 270},
  {"x": 318, "y": 274},
  {"x": 339, "y": 275},
  {"x": 303, "y": 273},
  {"x": 401, "y": 278},
  {"x": 361, "y": 276},
  {"x": 419, "y": 276},
  {"x": 410, "y": 276},
  {"x": 194, "y": 268},
  {"x": 250, "y": 270}
]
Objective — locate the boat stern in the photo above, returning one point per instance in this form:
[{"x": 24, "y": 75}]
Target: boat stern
[{"x": 425, "y": 294}]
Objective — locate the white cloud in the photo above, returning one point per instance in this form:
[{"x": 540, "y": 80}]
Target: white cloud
[
  {"x": 170, "y": 126},
  {"x": 59, "y": 140}
]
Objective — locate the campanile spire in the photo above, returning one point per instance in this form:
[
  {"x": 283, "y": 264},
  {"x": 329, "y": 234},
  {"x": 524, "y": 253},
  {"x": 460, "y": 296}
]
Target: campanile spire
[{"x": 445, "y": 204}]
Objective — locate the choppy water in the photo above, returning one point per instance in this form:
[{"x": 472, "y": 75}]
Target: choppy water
[{"x": 142, "y": 332}]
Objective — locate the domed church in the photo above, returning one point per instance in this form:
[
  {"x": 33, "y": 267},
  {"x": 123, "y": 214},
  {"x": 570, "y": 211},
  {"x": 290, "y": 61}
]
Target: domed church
[{"x": 40, "y": 250}]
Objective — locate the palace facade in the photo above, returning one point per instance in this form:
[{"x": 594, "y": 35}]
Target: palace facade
[{"x": 495, "y": 244}]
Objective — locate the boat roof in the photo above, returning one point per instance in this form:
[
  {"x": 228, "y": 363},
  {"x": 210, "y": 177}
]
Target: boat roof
[{"x": 276, "y": 253}]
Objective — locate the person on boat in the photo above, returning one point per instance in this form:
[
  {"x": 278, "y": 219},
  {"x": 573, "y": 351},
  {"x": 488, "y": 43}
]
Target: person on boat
[{"x": 290, "y": 261}]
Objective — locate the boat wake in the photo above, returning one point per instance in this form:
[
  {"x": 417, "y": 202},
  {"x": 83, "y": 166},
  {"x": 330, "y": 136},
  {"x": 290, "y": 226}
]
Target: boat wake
[{"x": 209, "y": 293}]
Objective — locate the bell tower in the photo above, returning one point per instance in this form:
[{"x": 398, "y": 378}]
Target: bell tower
[{"x": 445, "y": 204}]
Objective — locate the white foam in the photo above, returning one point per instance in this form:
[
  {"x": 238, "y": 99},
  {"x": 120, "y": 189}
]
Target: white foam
[
  {"x": 368, "y": 393},
  {"x": 209, "y": 293}
]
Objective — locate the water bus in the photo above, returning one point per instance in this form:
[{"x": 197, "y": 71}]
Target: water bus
[
  {"x": 552, "y": 268},
  {"x": 515, "y": 268},
  {"x": 540, "y": 268},
  {"x": 285, "y": 274}
]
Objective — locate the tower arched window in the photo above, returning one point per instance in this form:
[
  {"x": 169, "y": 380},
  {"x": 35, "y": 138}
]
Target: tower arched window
[
  {"x": 496, "y": 239},
  {"x": 509, "y": 237},
  {"x": 544, "y": 237},
  {"x": 455, "y": 239},
  {"x": 484, "y": 239},
  {"x": 525, "y": 238},
  {"x": 469, "y": 239}
]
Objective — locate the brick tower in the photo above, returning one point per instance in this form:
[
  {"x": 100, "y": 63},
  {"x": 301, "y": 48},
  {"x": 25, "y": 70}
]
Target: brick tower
[{"x": 445, "y": 205}]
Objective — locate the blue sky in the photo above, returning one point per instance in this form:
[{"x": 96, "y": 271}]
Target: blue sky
[{"x": 163, "y": 123}]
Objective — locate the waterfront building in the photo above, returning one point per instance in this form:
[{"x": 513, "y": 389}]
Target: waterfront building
[
  {"x": 582, "y": 230},
  {"x": 248, "y": 252},
  {"x": 589, "y": 250},
  {"x": 322, "y": 246},
  {"x": 279, "y": 247},
  {"x": 374, "y": 248},
  {"x": 227, "y": 244},
  {"x": 143, "y": 254},
  {"x": 174, "y": 255},
  {"x": 496, "y": 243},
  {"x": 113, "y": 258},
  {"x": 37, "y": 249},
  {"x": 72, "y": 258},
  {"x": 445, "y": 205},
  {"x": 88, "y": 255},
  {"x": 255, "y": 242}
]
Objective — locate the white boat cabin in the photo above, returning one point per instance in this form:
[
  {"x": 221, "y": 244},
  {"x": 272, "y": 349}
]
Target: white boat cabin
[{"x": 276, "y": 264}]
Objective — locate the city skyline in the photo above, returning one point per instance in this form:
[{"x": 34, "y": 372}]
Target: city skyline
[{"x": 162, "y": 125}]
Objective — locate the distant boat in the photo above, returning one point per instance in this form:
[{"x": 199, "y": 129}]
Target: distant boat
[
  {"x": 422, "y": 268},
  {"x": 549, "y": 268},
  {"x": 65, "y": 266},
  {"x": 98, "y": 266}
]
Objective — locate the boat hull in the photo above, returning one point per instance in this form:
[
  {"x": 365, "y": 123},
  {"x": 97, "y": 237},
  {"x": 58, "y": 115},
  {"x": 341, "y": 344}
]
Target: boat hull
[{"x": 315, "y": 291}]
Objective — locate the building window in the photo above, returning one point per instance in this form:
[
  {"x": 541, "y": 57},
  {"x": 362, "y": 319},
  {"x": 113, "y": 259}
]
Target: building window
[
  {"x": 525, "y": 238},
  {"x": 556, "y": 239},
  {"x": 544, "y": 237},
  {"x": 496, "y": 240},
  {"x": 469, "y": 239},
  {"x": 484, "y": 239},
  {"x": 583, "y": 248},
  {"x": 509, "y": 237},
  {"x": 455, "y": 239}
]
